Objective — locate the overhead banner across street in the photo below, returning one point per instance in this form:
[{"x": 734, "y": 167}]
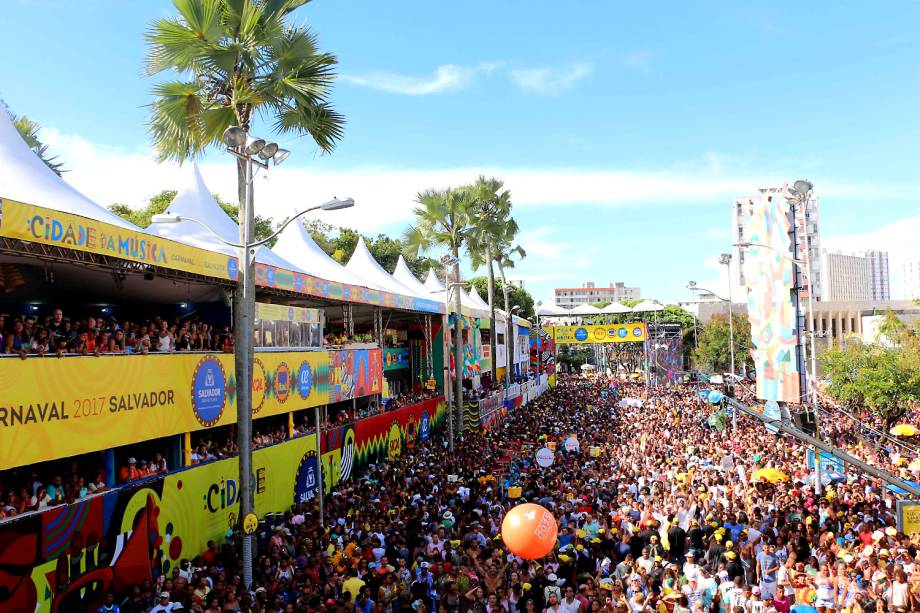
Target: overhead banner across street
[{"x": 606, "y": 333}]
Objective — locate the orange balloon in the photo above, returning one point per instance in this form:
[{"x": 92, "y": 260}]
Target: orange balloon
[{"x": 529, "y": 531}]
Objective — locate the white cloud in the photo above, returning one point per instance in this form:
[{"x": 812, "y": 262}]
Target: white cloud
[
  {"x": 448, "y": 77},
  {"x": 550, "y": 80}
]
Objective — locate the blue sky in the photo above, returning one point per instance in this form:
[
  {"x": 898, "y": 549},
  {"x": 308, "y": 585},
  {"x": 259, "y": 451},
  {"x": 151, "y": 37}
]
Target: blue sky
[{"x": 623, "y": 131}]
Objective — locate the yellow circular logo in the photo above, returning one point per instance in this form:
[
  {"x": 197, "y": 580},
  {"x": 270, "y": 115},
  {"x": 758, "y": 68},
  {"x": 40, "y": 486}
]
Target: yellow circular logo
[
  {"x": 394, "y": 441},
  {"x": 250, "y": 523}
]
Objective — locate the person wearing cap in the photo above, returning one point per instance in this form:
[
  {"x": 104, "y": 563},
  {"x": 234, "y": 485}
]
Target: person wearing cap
[{"x": 165, "y": 605}]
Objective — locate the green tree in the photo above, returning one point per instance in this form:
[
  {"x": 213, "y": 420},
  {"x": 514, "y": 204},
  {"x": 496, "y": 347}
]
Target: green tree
[
  {"x": 492, "y": 206},
  {"x": 158, "y": 204},
  {"x": 444, "y": 219},
  {"x": 29, "y": 130},
  {"x": 234, "y": 60},
  {"x": 340, "y": 243},
  {"x": 714, "y": 351},
  {"x": 516, "y": 296},
  {"x": 883, "y": 377}
]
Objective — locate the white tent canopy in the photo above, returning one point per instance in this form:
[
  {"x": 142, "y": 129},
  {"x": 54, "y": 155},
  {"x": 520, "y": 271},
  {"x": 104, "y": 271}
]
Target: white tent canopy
[
  {"x": 647, "y": 306},
  {"x": 432, "y": 282},
  {"x": 296, "y": 244},
  {"x": 363, "y": 264},
  {"x": 585, "y": 309},
  {"x": 405, "y": 276},
  {"x": 25, "y": 178},
  {"x": 616, "y": 307},
  {"x": 195, "y": 200},
  {"x": 475, "y": 299},
  {"x": 551, "y": 310}
]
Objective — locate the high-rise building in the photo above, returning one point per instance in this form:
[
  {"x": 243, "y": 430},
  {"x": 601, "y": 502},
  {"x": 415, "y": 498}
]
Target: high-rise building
[
  {"x": 845, "y": 277},
  {"x": 588, "y": 293},
  {"x": 912, "y": 280},
  {"x": 878, "y": 268},
  {"x": 807, "y": 234}
]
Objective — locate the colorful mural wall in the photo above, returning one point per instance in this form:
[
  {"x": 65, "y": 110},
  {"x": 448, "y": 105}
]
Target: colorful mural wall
[
  {"x": 354, "y": 373},
  {"x": 66, "y": 558},
  {"x": 770, "y": 310}
]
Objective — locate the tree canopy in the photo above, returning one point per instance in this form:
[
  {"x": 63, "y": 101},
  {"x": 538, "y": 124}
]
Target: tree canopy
[
  {"x": 516, "y": 296},
  {"x": 883, "y": 377},
  {"x": 714, "y": 351},
  {"x": 29, "y": 130}
]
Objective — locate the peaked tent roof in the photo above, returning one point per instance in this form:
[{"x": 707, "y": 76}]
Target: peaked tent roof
[
  {"x": 551, "y": 310},
  {"x": 296, "y": 244},
  {"x": 647, "y": 306},
  {"x": 363, "y": 264},
  {"x": 195, "y": 200},
  {"x": 474, "y": 296},
  {"x": 25, "y": 178},
  {"x": 432, "y": 282},
  {"x": 585, "y": 309},
  {"x": 405, "y": 276},
  {"x": 616, "y": 307}
]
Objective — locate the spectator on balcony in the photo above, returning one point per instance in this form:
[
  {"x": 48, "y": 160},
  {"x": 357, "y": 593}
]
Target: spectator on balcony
[
  {"x": 16, "y": 341},
  {"x": 158, "y": 465},
  {"x": 131, "y": 471},
  {"x": 41, "y": 499},
  {"x": 164, "y": 340},
  {"x": 56, "y": 490},
  {"x": 41, "y": 342},
  {"x": 117, "y": 342}
]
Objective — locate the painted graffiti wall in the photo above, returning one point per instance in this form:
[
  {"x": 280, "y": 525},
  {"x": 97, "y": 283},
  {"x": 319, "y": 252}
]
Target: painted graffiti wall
[{"x": 70, "y": 556}]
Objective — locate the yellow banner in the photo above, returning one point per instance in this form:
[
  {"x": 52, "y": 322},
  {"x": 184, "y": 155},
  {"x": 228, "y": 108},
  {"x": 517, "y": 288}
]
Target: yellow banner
[
  {"x": 609, "y": 333},
  {"x": 40, "y": 225},
  {"x": 283, "y": 312},
  {"x": 53, "y": 408}
]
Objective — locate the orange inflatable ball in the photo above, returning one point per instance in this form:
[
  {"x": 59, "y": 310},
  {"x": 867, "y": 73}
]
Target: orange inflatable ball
[{"x": 529, "y": 531}]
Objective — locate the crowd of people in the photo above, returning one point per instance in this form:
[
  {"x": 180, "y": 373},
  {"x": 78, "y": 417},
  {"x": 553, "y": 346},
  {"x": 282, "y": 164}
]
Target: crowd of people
[
  {"x": 55, "y": 334},
  {"x": 656, "y": 511}
]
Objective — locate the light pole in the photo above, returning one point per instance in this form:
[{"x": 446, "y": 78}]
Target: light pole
[
  {"x": 243, "y": 352},
  {"x": 448, "y": 261},
  {"x": 509, "y": 329},
  {"x": 693, "y": 287}
]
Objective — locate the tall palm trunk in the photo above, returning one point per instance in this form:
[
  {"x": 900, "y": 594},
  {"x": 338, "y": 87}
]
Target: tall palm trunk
[
  {"x": 458, "y": 339},
  {"x": 493, "y": 333},
  {"x": 508, "y": 317}
]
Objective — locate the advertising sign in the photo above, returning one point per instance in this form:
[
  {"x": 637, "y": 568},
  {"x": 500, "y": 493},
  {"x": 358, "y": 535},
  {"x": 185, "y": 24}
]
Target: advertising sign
[
  {"x": 65, "y": 407},
  {"x": 545, "y": 457},
  {"x": 395, "y": 358},
  {"x": 908, "y": 516},
  {"x": 829, "y": 464},
  {"x": 611, "y": 333},
  {"x": 47, "y": 227},
  {"x": 571, "y": 444}
]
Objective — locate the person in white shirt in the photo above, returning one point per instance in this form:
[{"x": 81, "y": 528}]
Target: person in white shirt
[{"x": 569, "y": 604}]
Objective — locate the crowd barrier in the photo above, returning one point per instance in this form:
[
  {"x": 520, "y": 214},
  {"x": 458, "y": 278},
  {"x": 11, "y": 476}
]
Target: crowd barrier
[{"x": 67, "y": 556}]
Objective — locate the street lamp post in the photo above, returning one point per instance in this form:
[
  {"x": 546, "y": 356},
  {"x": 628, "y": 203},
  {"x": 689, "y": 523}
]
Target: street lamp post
[
  {"x": 509, "y": 333},
  {"x": 693, "y": 287},
  {"x": 448, "y": 261},
  {"x": 245, "y": 148}
]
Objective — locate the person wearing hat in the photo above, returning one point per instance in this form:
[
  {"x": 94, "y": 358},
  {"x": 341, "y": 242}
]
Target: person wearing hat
[{"x": 165, "y": 605}]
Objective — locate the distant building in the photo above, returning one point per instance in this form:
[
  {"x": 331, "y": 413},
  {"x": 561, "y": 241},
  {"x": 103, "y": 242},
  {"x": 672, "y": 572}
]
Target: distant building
[
  {"x": 878, "y": 270},
  {"x": 846, "y": 278},
  {"x": 912, "y": 280},
  {"x": 588, "y": 293},
  {"x": 807, "y": 233}
]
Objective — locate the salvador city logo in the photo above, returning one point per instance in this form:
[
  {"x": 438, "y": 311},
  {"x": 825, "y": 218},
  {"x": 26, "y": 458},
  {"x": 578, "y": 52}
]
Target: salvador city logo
[
  {"x": 581, "y": 334},
  {"x": 599, "y": 334},
  {"x": 307, "y": 478},
  {"x": 304, "y": 380},
  {"x": 208, "y": 391}
]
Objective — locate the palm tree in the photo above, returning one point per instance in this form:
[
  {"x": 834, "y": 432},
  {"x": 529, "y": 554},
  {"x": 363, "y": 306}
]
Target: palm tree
[
  {"x": 237, "y": 59},
  {"x": 492, "y": 206},
  {"x": 28, "y": 130},
  {"x": 444, "y": 218},
  {"x": 505, "y": 250}
]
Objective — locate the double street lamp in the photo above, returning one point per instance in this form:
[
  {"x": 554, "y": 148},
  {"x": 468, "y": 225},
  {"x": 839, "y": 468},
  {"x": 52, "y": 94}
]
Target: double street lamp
[{"x": 246, "y": 148}]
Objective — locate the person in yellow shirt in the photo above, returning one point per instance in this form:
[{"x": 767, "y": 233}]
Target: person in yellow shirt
[{"x": 352, "y": 584}]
